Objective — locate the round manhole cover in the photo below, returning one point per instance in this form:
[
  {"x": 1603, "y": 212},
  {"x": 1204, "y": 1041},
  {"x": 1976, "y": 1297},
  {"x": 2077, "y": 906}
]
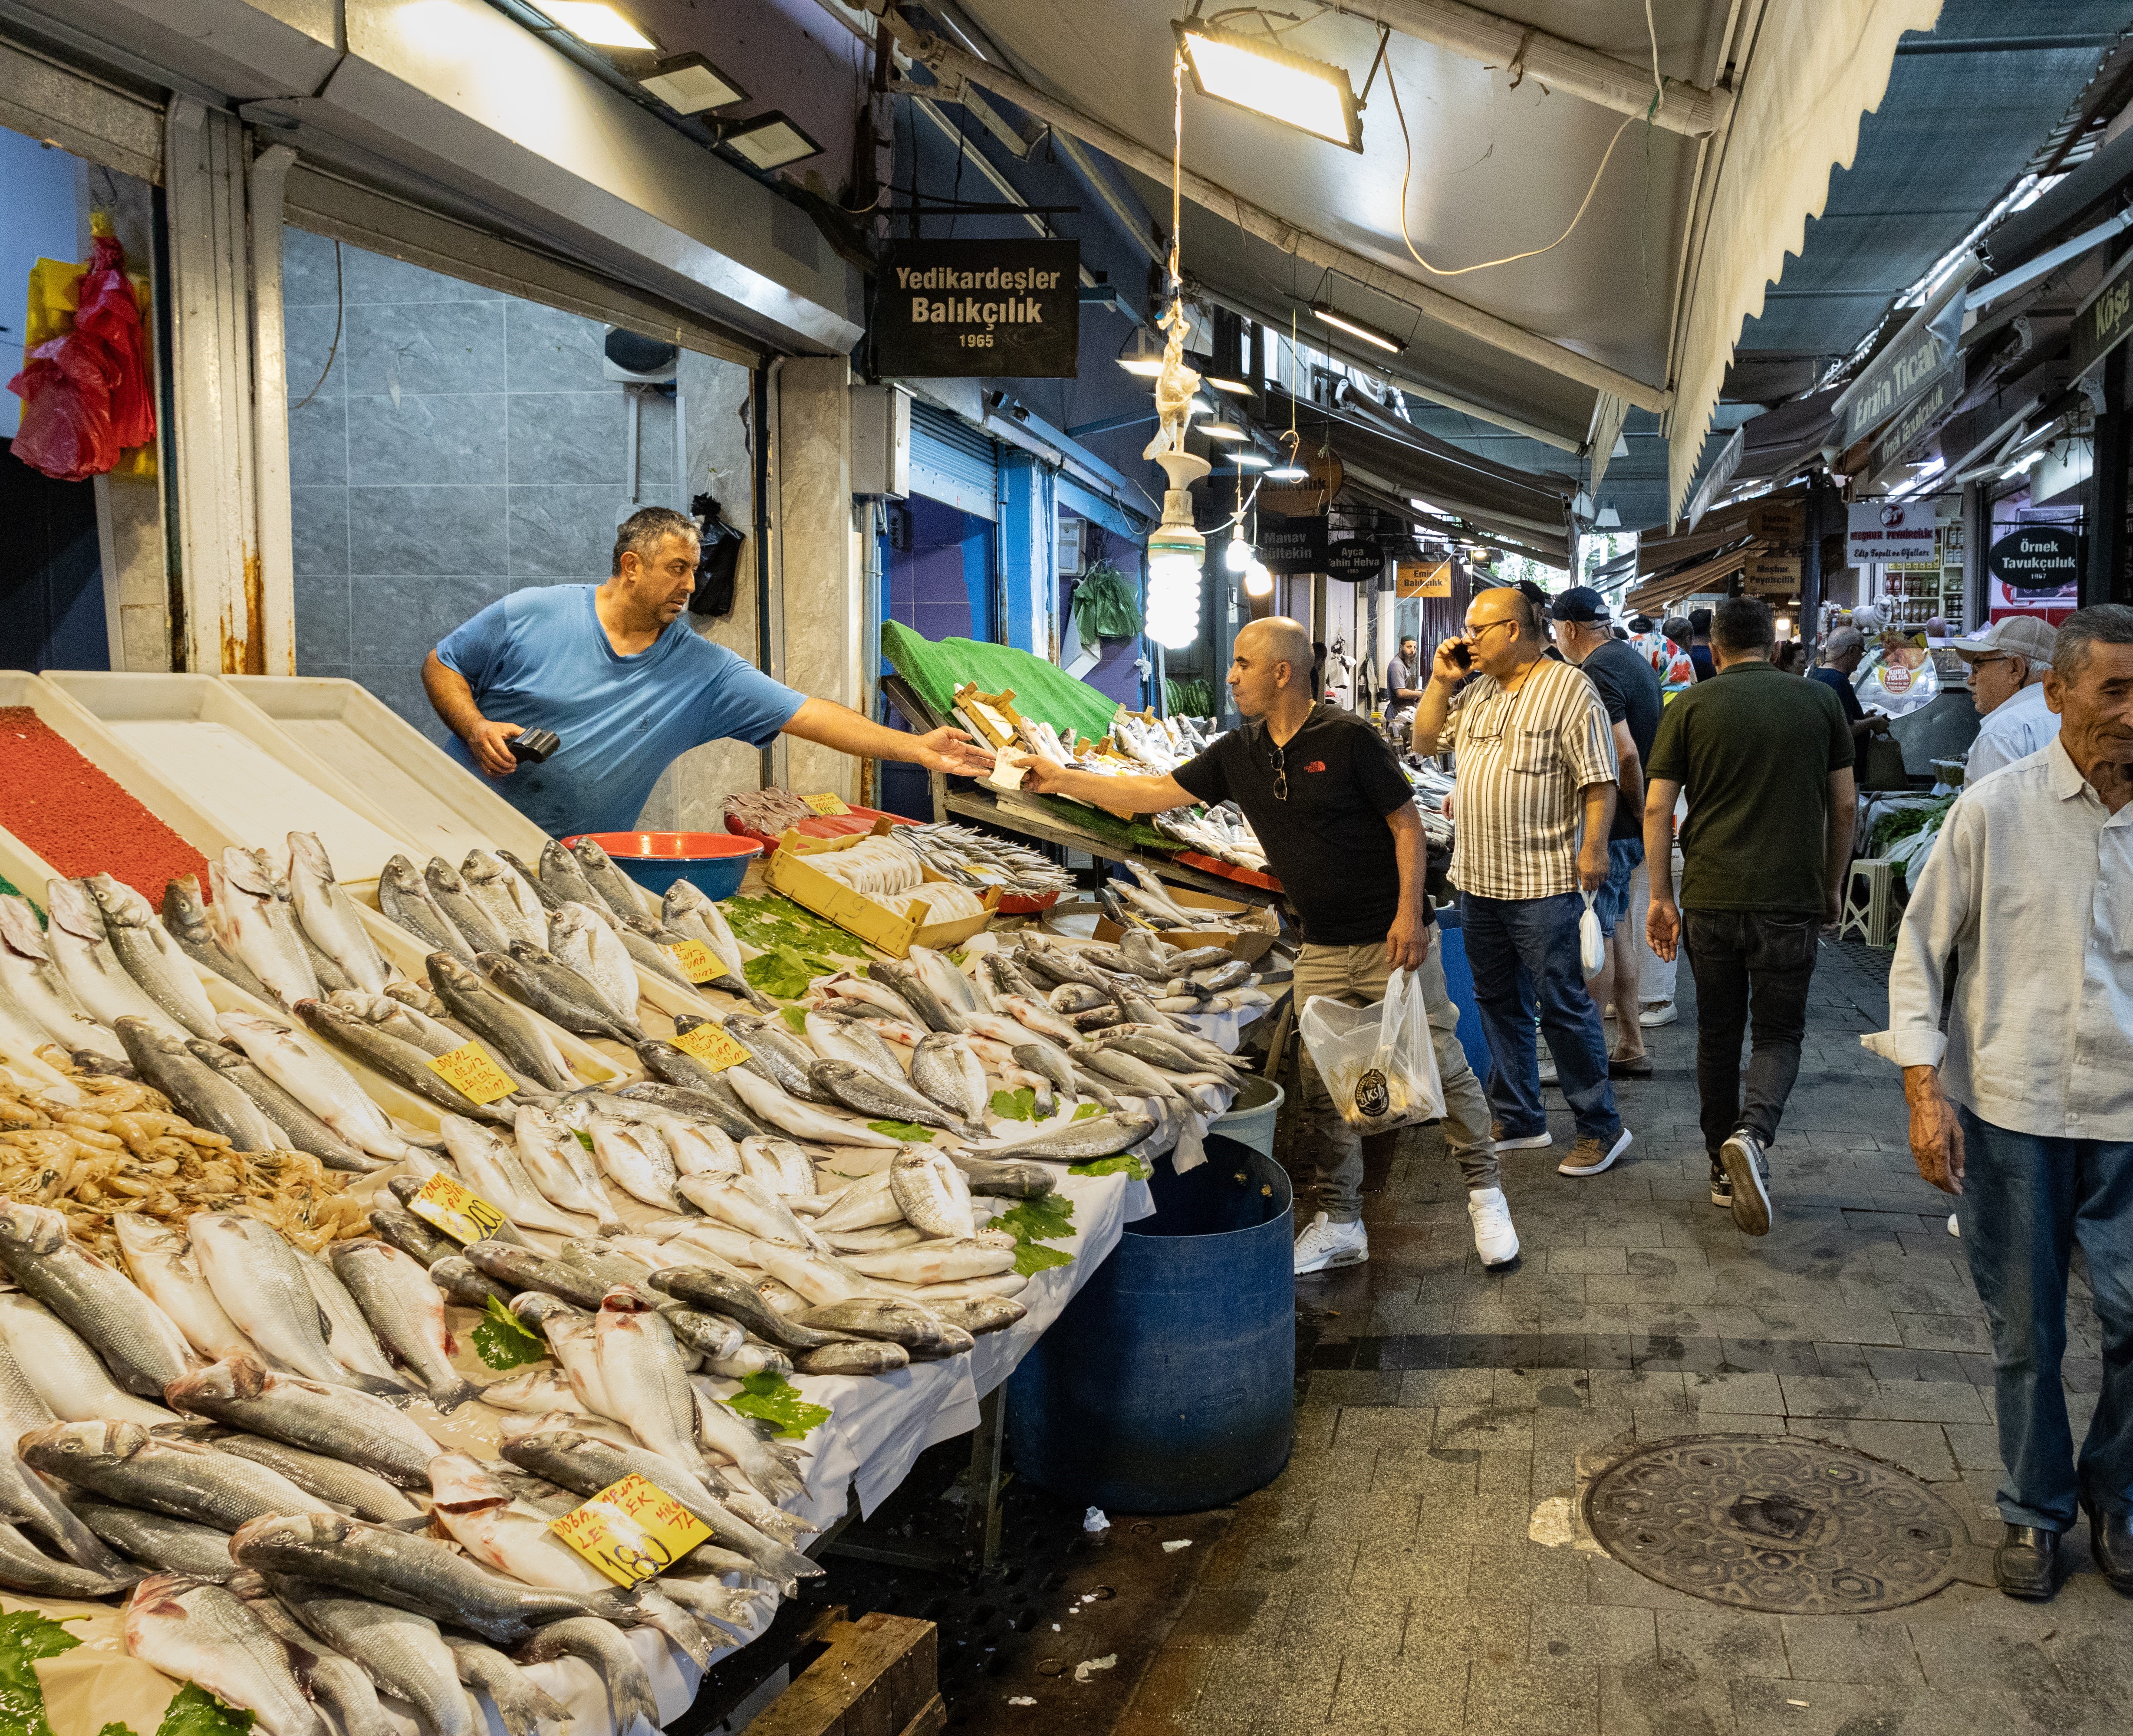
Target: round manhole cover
[{"x": 1793, "y": 1526}]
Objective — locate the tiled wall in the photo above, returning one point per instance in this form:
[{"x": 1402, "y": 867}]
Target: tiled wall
[
  {"x": 461, "y": 444},
  {"x": 941, "y": 585}
]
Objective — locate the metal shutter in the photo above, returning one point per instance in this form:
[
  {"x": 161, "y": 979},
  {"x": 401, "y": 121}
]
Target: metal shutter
[{"x": 953, "y": 462}]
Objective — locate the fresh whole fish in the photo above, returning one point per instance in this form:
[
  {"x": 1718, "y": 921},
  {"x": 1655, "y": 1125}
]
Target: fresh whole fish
[
  {"x": 552, "y": 1158},
  {"x": 935, "y": 1262},
  {"x": 140, "y": 1343},
  {"x": 642, "y": 1372},
  {"x": 713, "y": 1099},
  {"x": 1014, "y": 1180},
  {"x": 405, "y": 898},
  {"x": 864, "y": 1203},
  {"x": 26, "y": 1568},
  {"x": 406, "y": 1311},
  {"x": 197, "y": 1630},
  {"x": 363, "y": 1493},
  {"x": 868, "y": 1092},
  {"x": 917, "y": 1329},
  {"x": 711, "y": 1336},
  {"x": 317, "y": 1081},
  {"x": 563, "y": 876},
  {"x": 932, "y": 1195},
  {"x": 338, "y": 1421},
  {"x": 720, "y": 1292},
  {"x": 297, "y": 1128},
  {"x": 621, "y": 894},
  {"x": 877, "y": 1240},
  {"x": 688, "y": 911},
  {"x": 978, "y": 1315},
  {"x": 185, "y": 921},
  {"x": 700, "y": 1148},
  {"x": 80, "y": 950},
  {"x": 505, "y": 896},
  {"x": 1077, "y": 1141},
  {"x": 490, "y": 1166},
  {"x": 27, "y": 1499},
  {"x": 641, "y": 1167},
  {"x": 803, "y": 1121},
  {"x": 259, "y": 1280},
  {"x": 125, "y": 1463},
  {"x": 64, "y": 1373},
  {"x": 1135, "y": 1074},
  {"x": 258, "y": 923},
  {"x": 522, "y": 1703},
  {"x": 779, "y": 1056},
  {"x": 950, "y": 986},
  {"x": 906, "y": 985},
  {"x": 521, "y": 1041},
  {"x": 336, "y": 1682},
  {"x": 159, "y": 1259},
  {"x": 819, "y": 1277},
  {"x": 873, "y": 991},
  {"x": 747, "y": 1205},
  {"x": 521, "y": 1269},
  {"x": 947, "y": 1071},
  {"x": 403, "y": 1063},
  {"x": 450, "y": 894},
  {"x": 47, "y": 1008},
  {"x": 157, "y": 1541},
  {"x": 330, "y": 917},
  {"x": 202, "y": 1093},
  {"x": 732, "y": 1437},
  {"x": 851, "y": 1040},
  {"x": 150, "y": 956},
  {"x": 349, "y": 1334},
  {"x": 581, "y": 941},
  {"x": 645, "y": 941},
  {"x": 549, "y": 901},
  {"x": 612, "y": 1264},
  {"x": 543, "y": 982},
  {"x": 862, "y": 1357},
  {"x": 465, "y": 1286},
  {"x": 402, "y": 1651},
  {"x": 399, "y": 1567},
  {"x": 536, "y": 1393},
  {"x": 421, "y": 1242},
  {"x": 630, "y": 1696},
  {"x": 573, "y": 1341},
  {"x": 395, "y": 1018},
  {"x": 780, "y": 1165}
]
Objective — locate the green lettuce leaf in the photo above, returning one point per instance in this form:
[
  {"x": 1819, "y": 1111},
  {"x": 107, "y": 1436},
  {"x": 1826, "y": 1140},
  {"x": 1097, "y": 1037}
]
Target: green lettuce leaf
[
  {"x": 1033, "y": 1222},
  {"x": 195, "y": 1712},
  {"x": 794, "y": 1016},
  {"x": 771, "y": 1397},
  {"x": 26, "y": 1636},
  {"x": 1124, "y": 1164},
  {"x": 502, "y": 1342},
  {"x": 905, "y": 1130},
  {"x": 1088, "y": 1109},
  {"x": 1017, "y": 1105}
]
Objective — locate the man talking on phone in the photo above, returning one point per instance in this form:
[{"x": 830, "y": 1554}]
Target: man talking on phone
[{"x": 1335, "y": 816}]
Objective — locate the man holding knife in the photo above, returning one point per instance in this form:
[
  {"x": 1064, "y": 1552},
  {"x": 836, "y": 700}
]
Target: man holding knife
[
  {"x": 628, "y": 687},
  {"x": 1336, "y": 818}
]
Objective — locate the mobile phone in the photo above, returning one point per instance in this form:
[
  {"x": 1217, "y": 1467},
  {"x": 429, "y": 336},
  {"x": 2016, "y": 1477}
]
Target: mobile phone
[{"x": 1460, "y": 655}]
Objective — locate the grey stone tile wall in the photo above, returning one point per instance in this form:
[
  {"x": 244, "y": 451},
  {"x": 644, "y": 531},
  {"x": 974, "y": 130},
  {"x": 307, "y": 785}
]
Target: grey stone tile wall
[{"x": 448, "y": 444}]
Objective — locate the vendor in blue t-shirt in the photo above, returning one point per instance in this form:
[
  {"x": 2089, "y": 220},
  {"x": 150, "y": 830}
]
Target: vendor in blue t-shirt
[{"x": 616, "y": 673}]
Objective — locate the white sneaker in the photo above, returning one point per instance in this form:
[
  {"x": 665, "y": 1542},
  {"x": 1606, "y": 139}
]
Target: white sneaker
[
  {"x": 1659, "y": 1012},
  {"x": 1324, "y": 1245},
  {"x": 1504, "y": 1141},
  {"x": 1493, "y": 1238},
  {"x": 1954, "y": 1228}
]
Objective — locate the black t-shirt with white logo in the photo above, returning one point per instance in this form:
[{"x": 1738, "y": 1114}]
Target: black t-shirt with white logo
[{"x": 1328, "y": 844}]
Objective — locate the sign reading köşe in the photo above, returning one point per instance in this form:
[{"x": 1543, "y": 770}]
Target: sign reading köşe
[{"x": 964, "y": 309}]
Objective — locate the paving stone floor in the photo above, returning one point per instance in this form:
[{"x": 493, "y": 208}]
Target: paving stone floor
[{"x": 1391, "y": 1580}]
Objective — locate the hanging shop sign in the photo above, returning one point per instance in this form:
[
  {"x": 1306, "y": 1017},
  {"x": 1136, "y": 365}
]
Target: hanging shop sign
[
  {"x": 964, "y": 309},
  {"x": 1311, "y": 495},
  {"x": 1898, "y": 377},
  {"x": 1358, "y": 559},
  {"x": 1936, "y": 403},
  {"x": 1291, "y": 545},
  {"x": 2036, "y": 557},
  {"x": 1883, "y": 531},
  {"x": 1422, "y": 578},
  {"x": 2105, "y": 320}
]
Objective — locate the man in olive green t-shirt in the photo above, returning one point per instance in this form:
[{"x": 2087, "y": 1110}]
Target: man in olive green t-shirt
[{"x": 1766, "y": 761}]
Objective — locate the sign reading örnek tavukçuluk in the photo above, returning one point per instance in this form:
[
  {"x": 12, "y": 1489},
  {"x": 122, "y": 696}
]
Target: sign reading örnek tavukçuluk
[{"x": 988, "y": 309}]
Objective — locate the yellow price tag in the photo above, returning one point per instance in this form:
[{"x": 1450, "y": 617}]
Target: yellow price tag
[
  {"x": 696, "y": 961},
  {"x": 711, "y": 1047},
  {"x": 468, "y": 1069},
  {"x": 827, "y": 804},
  {"x": 630, "y": 1530},
  {"x": 456, "y": 1209}
]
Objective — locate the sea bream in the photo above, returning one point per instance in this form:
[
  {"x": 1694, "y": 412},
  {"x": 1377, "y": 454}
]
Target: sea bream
[
  {"x": 621, "y": 894},
  {"x": 259, "y": 922},
  {"x": 803, "y": 1121},
  {"x": 556, "y": 992},
  {"x": 450, "y": 894},
  {"x": 584, "y": 939},
  {"x": 552, "y": 1158},
  {"x": 689, "y": 911},
  {"x": 505, "y": 896},
  {"x": 490, "y": 1165},
  {"x": 405, "y": 898},
  {"x": 330, "y": 917}
]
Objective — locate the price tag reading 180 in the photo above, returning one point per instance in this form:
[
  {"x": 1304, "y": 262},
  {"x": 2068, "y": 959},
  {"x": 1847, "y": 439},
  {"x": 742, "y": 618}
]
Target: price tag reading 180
[
  {"x": 711, "y": 1047},
  {"x": 827, "y": 804},
  {"x": 696, "y": 961},
  {"x": 630, "y": 1530},
  {"x": 456, "y": 1209},
  {"x": 470, "y": 1071}
]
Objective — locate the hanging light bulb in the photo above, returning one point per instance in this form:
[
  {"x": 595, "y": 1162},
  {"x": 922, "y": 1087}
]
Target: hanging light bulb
[
  {"x": 1176, "y": 552},
  {"x": 1237, "y": 556},
  {"x": 1259, "y": 582}
]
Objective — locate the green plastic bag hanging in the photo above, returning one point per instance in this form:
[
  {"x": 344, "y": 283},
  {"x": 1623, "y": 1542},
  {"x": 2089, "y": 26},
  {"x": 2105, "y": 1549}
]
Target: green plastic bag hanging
[{"x": 1104, "y": 604}]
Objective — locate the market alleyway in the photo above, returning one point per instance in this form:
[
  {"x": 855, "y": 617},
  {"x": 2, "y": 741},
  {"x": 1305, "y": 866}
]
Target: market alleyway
[{"x": 1390, "y": 1581}]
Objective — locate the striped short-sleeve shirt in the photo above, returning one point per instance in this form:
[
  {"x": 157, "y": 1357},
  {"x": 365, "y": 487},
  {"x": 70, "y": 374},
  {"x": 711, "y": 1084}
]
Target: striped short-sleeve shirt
[{"x": 1521, "y": 758}]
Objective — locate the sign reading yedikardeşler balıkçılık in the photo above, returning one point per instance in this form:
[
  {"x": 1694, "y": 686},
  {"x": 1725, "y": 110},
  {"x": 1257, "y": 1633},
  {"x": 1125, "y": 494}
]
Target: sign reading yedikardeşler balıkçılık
[{"x": 947, "y": 309}]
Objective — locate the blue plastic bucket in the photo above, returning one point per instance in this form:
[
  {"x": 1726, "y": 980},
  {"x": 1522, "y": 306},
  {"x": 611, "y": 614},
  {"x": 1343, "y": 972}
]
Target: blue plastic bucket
[
  {"x": 1168, "y": 1385},
  {"x": 1459, "y": 977}
]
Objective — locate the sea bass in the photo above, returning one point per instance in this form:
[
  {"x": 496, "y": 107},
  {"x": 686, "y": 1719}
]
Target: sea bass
[
  {"x": 406, "y": 1313},
  {"x": 197, "y": 1630},
  {"x": 257, "y": 924},
  {"x": 337, "y": 1421},
  {"x": 151, "y": 957},
  {"x": 259, "y": 1280},
  {"x": 317, "y": 1081},
  {"x": 185, "y": 921},
  {"x": 330, "y": 917},
  {"x": 121, "y": 1460},
  {"x": 140, "y": 1343},
  {"x": 80, "y": 948},
  {"x": 404, "y": 897}
]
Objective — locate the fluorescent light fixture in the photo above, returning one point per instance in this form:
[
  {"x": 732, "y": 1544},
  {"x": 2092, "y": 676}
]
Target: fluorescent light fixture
[
  {"x": 1259, "y": 582},
  {"x": 771, "y": 141},
  {"x": 596, "y": 23},
  {"x": 1252, "y": 73},
  {"x": 1236, "y": 388},
  {"x": 1223, "y": 431},
  {"x": 1140, "y": 353},
  {"x": 1202, "y": 405},
  {"x": 1244, "y": 459},
  {"x": 689, "y": 85},
  {"x": 1357, "y": 328},
  {"x": 1236, "y": 555},
  {"x": 1288, "y": 474}
]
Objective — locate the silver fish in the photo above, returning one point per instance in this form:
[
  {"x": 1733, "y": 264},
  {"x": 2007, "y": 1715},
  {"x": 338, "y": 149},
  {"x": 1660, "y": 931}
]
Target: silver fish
[
  {"x": 780, "y": 1165},
  {"x": 296, "y": 1129},
  {"x": 936, "y": 1262},
  {"x": 859, "y": 1357},
  {"x": 123, "y": 1461},
  {"x": 945, "y": 1069},
  {"x": 688, "y": 910},
  {"x": 563, "y": 876},
  {"x": 522, "y": 1703},
  {"x": 406, "y": 1311},
  {"x": 507, "y": 899},
  {"x": 338, "y": 1683},
  {"x": 489, "y": 1164},
  {"x": 704, "y": 1288},
  {"x": 872, "y": 1095},
  {"x": 907, "y": 985},
  {"x": 317, "y": 1081},
  {"x": 630, "y": 1696},
  {"x": 770, "y": 1471},
  {"x": 531, "y": 877},
  {"x": 1078, "y": 1142},
  {"x": 556, "y": 1161},
  {"x": 260, "y": 1281},
  {"x": 978, "y": 1315},
  {"x": 932, "y": 1195},
  {"x": 589, "y": 945},
  {"x": 341, "y": 1423},
  {"x": 203, "y": 1095},
  {"x": 156, "y": 1540},
  {"x": 64, "y": 1374},
  {"x": 404, "y": 1652},
  {"x": 851, "y": 1040},
  {"x": 450, "y": 894},
  {"x": 543, "y": 982},
  {"x": 197, "y": 1630},
  {"x": 404, "y": 897},
  {"x": 151, "y": 957},
  {"x": 348, "y": 1335},
  {"x": 745, "y": 1204},
  {"x": 259, "y": 922},
  {"x": 403, "y": 1063},
  {"x": 330, "y": 916},
  {"x": 623, "y": 895},
  {"x": 160, "y": 1260},
  {"x": 140, "y": 1343},
  {"x": 642, "y": 1168},
  {"x": 1013, "y": 1180},
  {"x": 948, "y": 983},
  {"x": 363, "y": 1493},
  {"x": 520, "y": 1040},
  {"x": 804, "y": 1121},
  {"x": 640, "y": 1370},
  {"x": 80, "y": 950},
  {"x": 33, "y": 982},
  {"x": 185, "y": 921},
  {"x": 395, "y": 1018},
  {"x": 464, "y": 1286},
  {"x": 779, "y": 1056},
  {"x": 523, "y": 1270},
  {"x": 27, "y": 1499},
  {"x": 645, "y": 940}
]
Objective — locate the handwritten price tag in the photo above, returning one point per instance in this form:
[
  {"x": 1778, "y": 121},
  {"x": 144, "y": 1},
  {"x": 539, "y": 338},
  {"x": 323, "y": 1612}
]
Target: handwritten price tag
[
  {"x": 468, "y": 1068},
  {"x": 456, "y": 1209},
  {"x": 696, "y": 961},
  {"x": 630, "y": 1530},
  {"x": 827, "y": 804},
  {"x": 711, "y": 1047}
]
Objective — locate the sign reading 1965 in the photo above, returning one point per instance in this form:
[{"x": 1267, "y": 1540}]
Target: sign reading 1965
[{"x": 978, "y": 308}]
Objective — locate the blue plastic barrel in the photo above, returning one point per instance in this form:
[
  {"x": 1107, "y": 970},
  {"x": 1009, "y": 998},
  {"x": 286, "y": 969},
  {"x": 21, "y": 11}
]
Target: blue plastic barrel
[
  {"x": 1168, "y": 1385},
  {"x": 1459, "y": 977}
]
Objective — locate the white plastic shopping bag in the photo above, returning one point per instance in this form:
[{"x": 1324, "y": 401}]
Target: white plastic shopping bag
[
  {"x": 1378, "y": 1063},
  {"x": 1591, "y": 943}
]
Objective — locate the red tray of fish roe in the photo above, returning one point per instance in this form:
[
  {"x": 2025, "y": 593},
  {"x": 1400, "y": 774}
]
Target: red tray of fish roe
[
  {"x": 1228, "y": 870},
  {"x": 77, "y": 819},
  {"x": 820, "y": 826}
]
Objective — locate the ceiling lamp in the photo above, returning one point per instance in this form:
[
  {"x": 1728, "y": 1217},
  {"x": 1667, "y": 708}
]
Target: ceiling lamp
[
  {"x": 689, "y": 85},
  {"x": 1253, "y": 73},
  {"x": 1245, "y": 458},
  {"x": 771, "y": 141},
  {"x": 1222, "y": 383},
  {"x": 1236, "y": 555},
  {"x": 1176, "y": 551},
  {"x": 1357, "y": 328},
  {"x": 1288, "y": 473},
  {"x": 1141, "y": 354},
  {"x": 1223, "y": 431},
  {"x": 1259, "y": 582},
  {"x": 596, "y": 23}
]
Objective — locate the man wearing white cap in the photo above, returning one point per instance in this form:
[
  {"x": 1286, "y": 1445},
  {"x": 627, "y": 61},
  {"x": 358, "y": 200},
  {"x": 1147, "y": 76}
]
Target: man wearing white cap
[{"x": 2007, "y": 664}]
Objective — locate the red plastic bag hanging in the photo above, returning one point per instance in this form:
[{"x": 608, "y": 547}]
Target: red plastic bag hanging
[
  {"x": 107, "y": 313},
  {"x": 88, "y": 395}
]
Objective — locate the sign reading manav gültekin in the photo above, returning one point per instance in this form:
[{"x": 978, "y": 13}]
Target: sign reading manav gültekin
[{"x": 958, "y": 309}]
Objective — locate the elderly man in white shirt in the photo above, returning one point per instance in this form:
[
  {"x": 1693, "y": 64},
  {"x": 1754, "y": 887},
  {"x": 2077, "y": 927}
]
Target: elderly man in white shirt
[
  {"x": 2007, "y": 664},
  {"x": 2024, "y": 1108}
]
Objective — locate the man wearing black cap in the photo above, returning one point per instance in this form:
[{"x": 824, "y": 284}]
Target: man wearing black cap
[{"x": 1630, "y": 691}]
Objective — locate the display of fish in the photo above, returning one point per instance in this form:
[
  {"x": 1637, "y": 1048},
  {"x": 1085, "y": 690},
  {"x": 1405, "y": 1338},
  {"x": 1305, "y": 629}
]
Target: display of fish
[
  {"x": 80, "y": 951},
  {"x": 204, "y": 1094},
  {"x": 572, "y": 1341},
  {"x": 395, "y": 1017},
  {"x": 140, "y": 1343},
  {"x": 157, "y": 1541},
  {"x": 1011, "y": 1181},
  {"x": 329, "y": 918},
  {"x": 778, "y": 1164},
  {"x": 160, "y": 1260},
  {"x": 946, "y": 1070},
  {"x": 296, "y": 1129},
  {"x": 547, "y": 899},
  {"x": 449, "y": 894},
  {"x": 522, "y": 1704},
  {"x": 816, "y": 1277},
  {"x": 197, "y": 1630},
  {"x": 642, "y": 1374},
  {"x": 517, "y": 1039},
  {"x": 622, "y": 895},
  {"x": 521, "y": 1269},
  {"x": 404, "y": 897},
  {"x": 935, "y": 1263},
  {"x": 803, "y": 1121},
  {"x": 731, "y": 1435},
  {"x": 584, "y": 942},
  {"x": 978, "y": 1315},
  {"x": 556, "y": 1162},
  {"x": 27, "y": 1499},
  {"x": 706, "y": 1288},
  {"x": 543, "y": 982},
  {"x": 867, "y": 1092},
  {"x": 906, "y": 986},
  {"x": 850, "y": 1040},
  {"x": 630, "y": 1699},
  {"x": 646, "y": 942},
  {"x": 363, "y": 1493},
  {"x": 402, "y": 1651},
  {"x": 338, "y": 1683},
  {"x": 403, "y": 1063},
  {"x": 354, "y": 1346},
  {"x": 564, "y": 877},
  {"x": 150, "y": 956},
  {"x": 747, "y": 1205},
  {"x": 256, "y": 921},
  {"x": 317, "y": 1081},
  {"x": 259, "y": 1280},
  {"x": 490, "y": 1166},
  {"x": 406, "y": 1311},
  {"x": 777, "y": 1055},
  {"x": 463, "y": 1284},
  {"x": 125, "y": 1463},
  {"x": 689, "y": 911},
  {"x": 185, "y": 921},
  {"x": 932, "y": 1194},
  {"x": 506, "y": 898},
  {"x": 641, "y": 1167},
  {"x": 1076, "y": 1142}
]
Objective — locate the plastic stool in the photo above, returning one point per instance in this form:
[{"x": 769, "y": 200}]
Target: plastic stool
[{"x": 1868, "y": 917}]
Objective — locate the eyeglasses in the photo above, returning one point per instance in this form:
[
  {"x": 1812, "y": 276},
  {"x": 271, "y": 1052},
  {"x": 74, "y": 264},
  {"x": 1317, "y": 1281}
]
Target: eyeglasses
[
  {"x": 1474, "y": 634},
  {"x": 1280, "y": 755}
]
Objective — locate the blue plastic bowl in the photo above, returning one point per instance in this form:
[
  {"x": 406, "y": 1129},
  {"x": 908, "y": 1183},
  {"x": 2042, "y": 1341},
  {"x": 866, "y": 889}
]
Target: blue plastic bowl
[{"x": 713, "y": 862}]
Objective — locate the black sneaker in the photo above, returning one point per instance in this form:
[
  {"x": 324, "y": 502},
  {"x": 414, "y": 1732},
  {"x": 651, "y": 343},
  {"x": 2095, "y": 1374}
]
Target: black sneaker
[{"x": 1722, "y": 1186}]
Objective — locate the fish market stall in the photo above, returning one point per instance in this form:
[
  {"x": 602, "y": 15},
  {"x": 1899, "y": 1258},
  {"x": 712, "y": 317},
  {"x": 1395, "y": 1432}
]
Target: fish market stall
[{"x": 357, "y": 1244}]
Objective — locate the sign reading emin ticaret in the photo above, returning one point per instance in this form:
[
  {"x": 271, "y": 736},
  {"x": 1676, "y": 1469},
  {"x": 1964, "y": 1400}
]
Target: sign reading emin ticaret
[{"x": 995, "y": 309}]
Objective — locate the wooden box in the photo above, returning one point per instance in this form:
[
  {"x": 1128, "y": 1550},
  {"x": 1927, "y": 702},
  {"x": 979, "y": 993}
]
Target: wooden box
[
  {"x": 894, "y": 930},
  {"x": 879, "y": 1678},
  {"x": 991, "y": 717}
]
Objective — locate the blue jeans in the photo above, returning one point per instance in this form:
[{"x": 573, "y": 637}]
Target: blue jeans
[
  {"x": 1624, "y": 856},
  {"x": 2025, "y": 1201},
  {"x": 1516, "y": 946}
]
